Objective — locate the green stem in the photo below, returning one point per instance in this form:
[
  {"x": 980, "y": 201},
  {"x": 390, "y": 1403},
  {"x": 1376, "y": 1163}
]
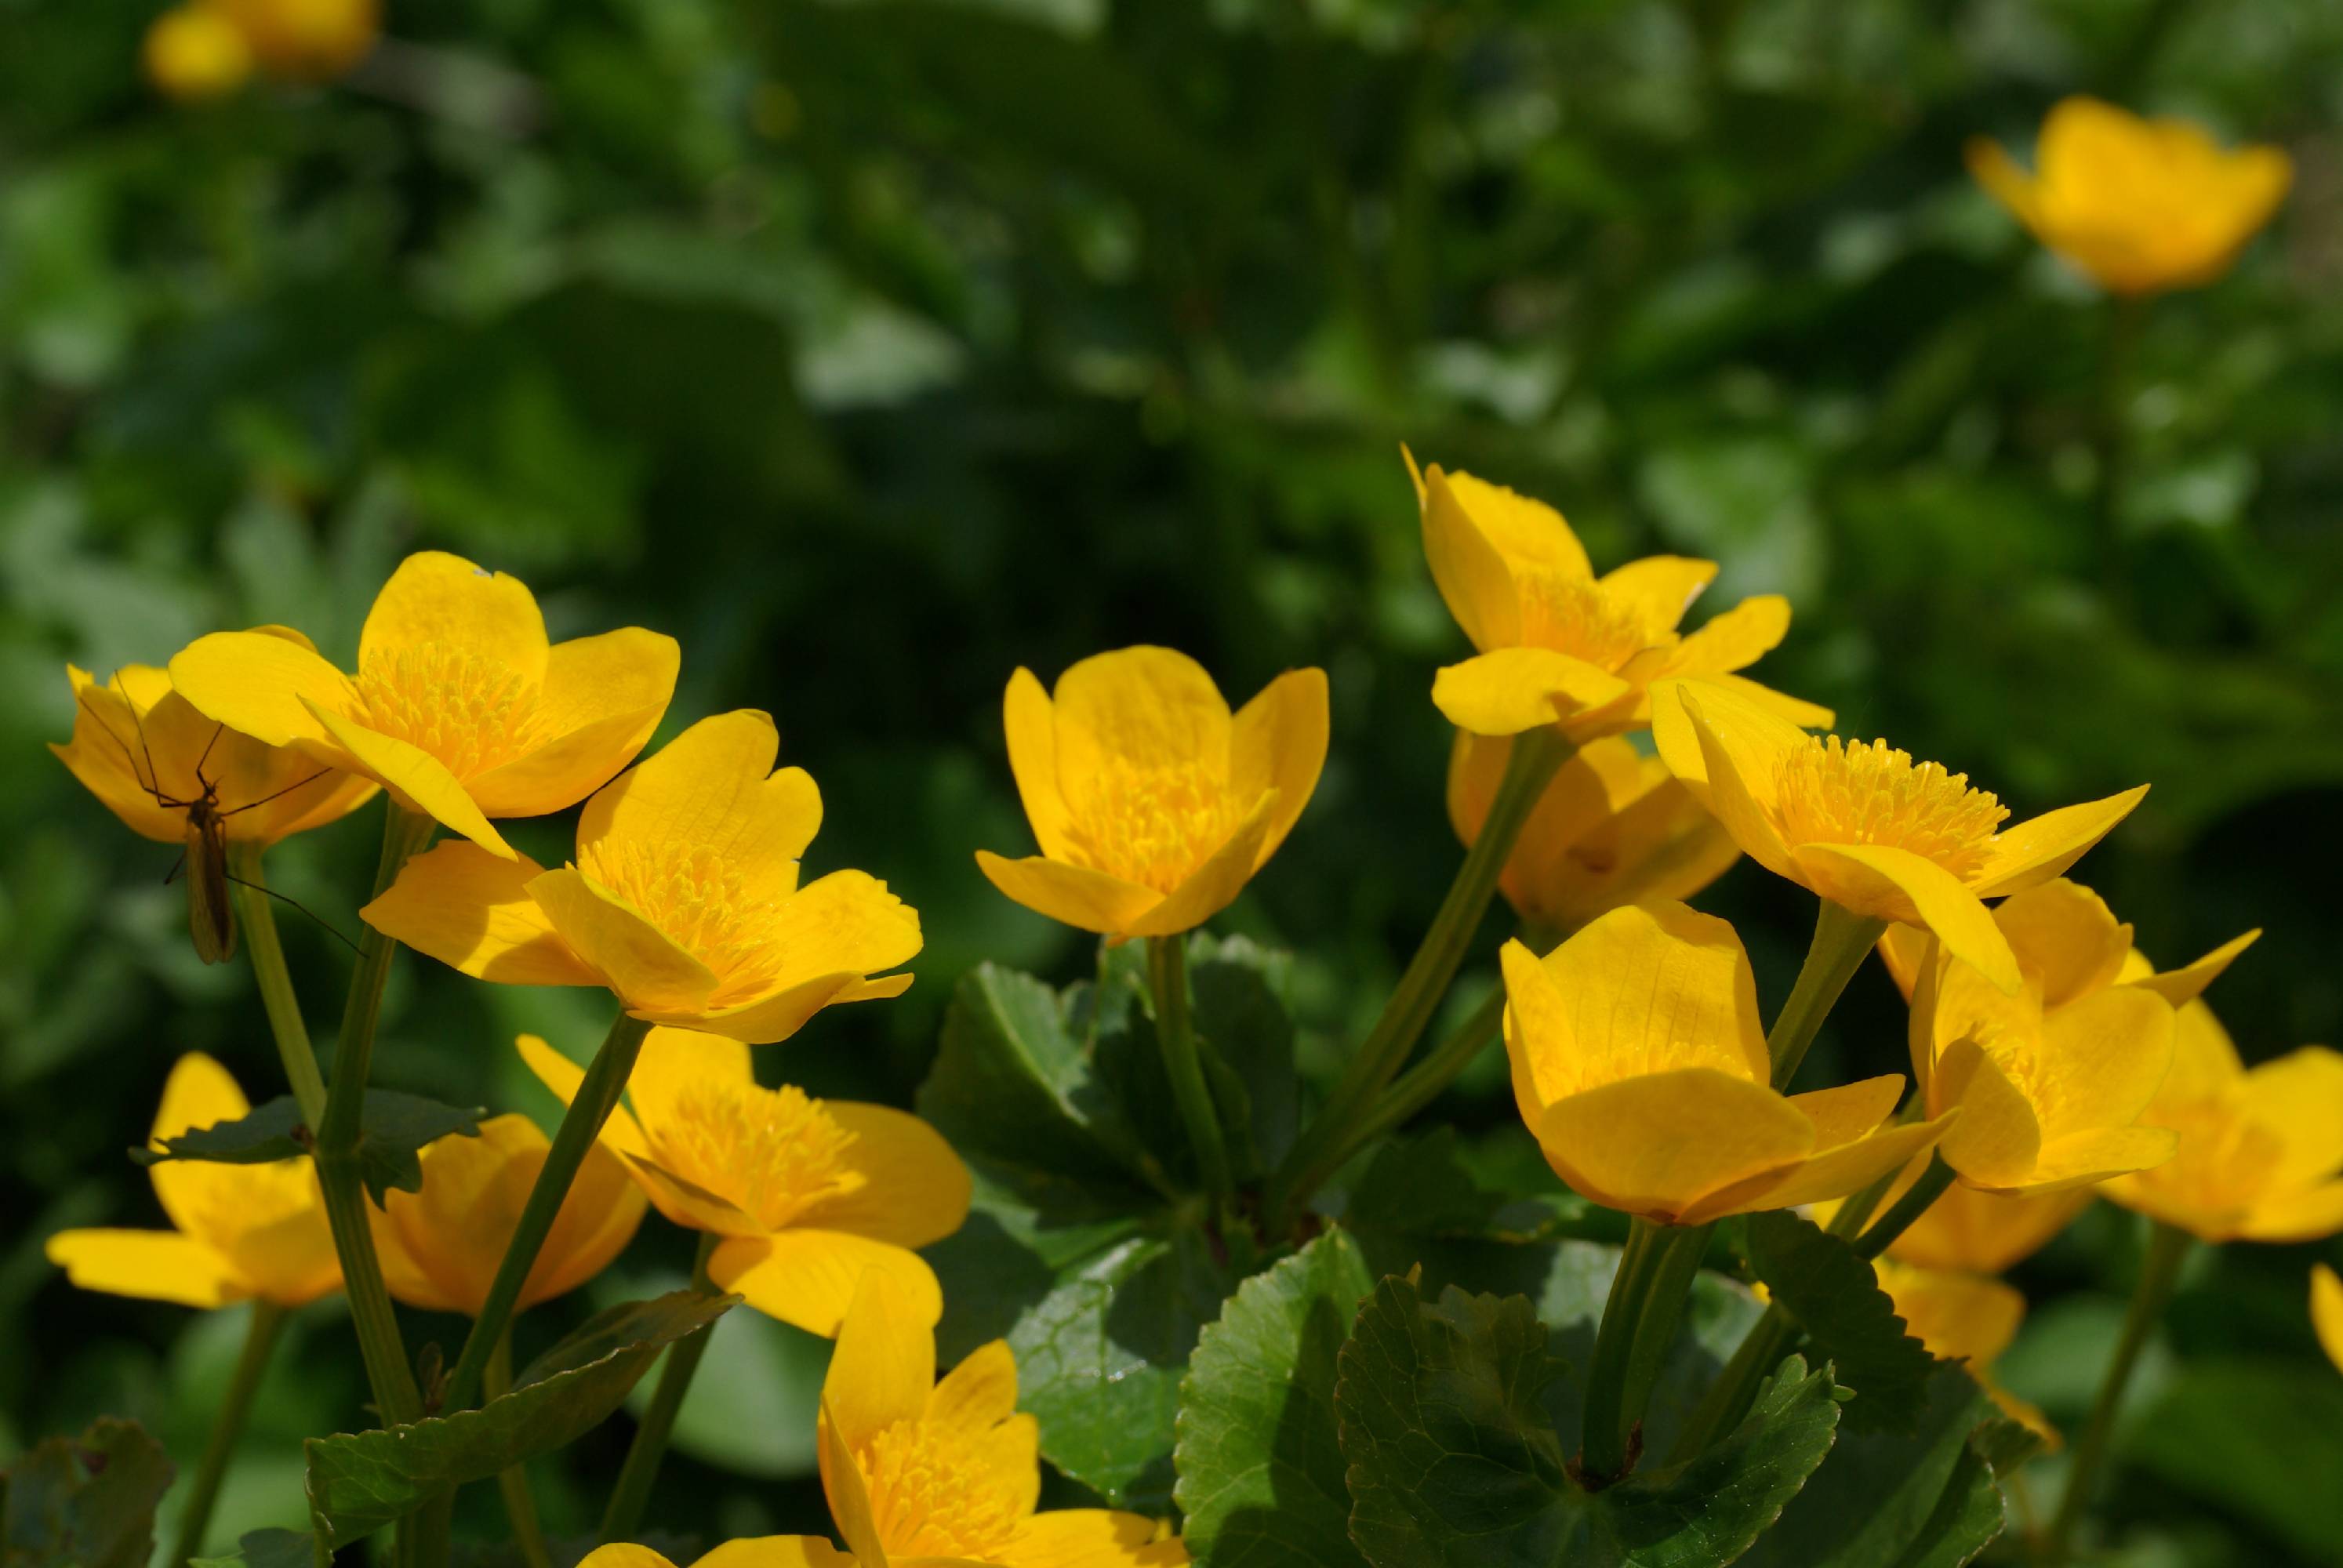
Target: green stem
[
  {"x": 1175, "y": 1032},
  {"x": 1729, "y": 1398},
  {"x": 2168, "y": 1248},
  {"x": 1422, "y": 1084},
  {"x": 1882, "y": 1233},
  {"x": 257, "y": 911},
  {"x": 1842, "y": 937},
  {"x": 598, "y": 1096},
  {"x": 1529, "y": 768},
  {"x": 1639, "y": 1323},
  {"x": 396, "y": 1398},
  {"x": 520, "y": 1507},
  {"x": 636, "y": 1477},
  {"x": 227, "y": 1427}
]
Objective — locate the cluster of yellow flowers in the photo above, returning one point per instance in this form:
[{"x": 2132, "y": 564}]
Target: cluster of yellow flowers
[{"x": 206, "y": 49}]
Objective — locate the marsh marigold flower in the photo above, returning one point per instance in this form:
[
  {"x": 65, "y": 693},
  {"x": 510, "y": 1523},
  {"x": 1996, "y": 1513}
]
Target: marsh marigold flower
[
  {"x": 2141, "y": 205},
  {"x": 1639, "y": 1066},
  {"x": 1152, "y": 804},
  {"x": 440, "y": 1247},
  {"x": 1963, "y": 1318},
  {"x": 305, "y": 40},
  {"x": 683, "y": 900},
  {"x": 1613, "y": 828},
  {"x": 1866, "y": 827},
  {"x": 749, "y": 1552},
  {"x": 239, "y": 1231},
  {"x": 1560, "y": 645},
  {"x": 460, "y": 706},
  {"x": 194, "y": 53},
  {"x": 2326, "y": 1311},
  {"x": 804, "y": 1195},
  {"x": 2262, "y": 1150},
  {"x": 1971, "y": 1231}
]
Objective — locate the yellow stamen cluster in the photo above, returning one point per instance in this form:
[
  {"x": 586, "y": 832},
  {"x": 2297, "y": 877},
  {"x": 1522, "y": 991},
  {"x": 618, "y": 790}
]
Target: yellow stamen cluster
[
  {"x": 932, "y": 1493},
  {"x": 1153, "y": 826},
  {"x": 472, "y": 713},
  {"x": 1574, "y": 616},
  {"x": 771, "y": 1152},
  {"x": 696, "y": 897},
  {"x": 1868, "y": 792}
]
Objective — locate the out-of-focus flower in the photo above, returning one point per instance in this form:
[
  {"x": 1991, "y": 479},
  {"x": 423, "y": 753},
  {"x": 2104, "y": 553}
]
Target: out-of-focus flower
[
  {"x": 1964, "y": 1318},
  {"x": 683, "y": 900},
  {"x": 2261, "y": 1151},
  {"x": 460, "y": 707},
  {"x": 805, "y": 1193},
  {"x": 1152, "y": 804},
  {"x": 305, "y": 40},
  {"x": 194, "y": 53},
  {"x": 1975, "y": 1232},
  {"x": 1866, "y": 827},
  {"x": 2142, "y": 206},
  {"x": 1639, "y": 1065},
  {"x": 1560, "y": 645},
  {"x": 1613, "y": 828},
  {"x": 2326, "y": 1311},
  {"x": 239, "y": 1232},
  {"x": 440, "y": 1248},
  {"x": 750, "y": 1552}
]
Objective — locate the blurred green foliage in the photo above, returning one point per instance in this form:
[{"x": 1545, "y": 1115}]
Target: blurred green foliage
[{"x": 874, "y": 350}]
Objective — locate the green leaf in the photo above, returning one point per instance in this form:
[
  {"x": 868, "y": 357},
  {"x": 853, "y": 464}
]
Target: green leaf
[
  {"x": 2255, "y": 1437},
  {"x": 359, "y": 1482},
  {"x": 393, "y": 1126},
  {"x": 87, "y": 1502},
  {"x": 1831, "y": 1291},
  {"x": 1421, "y": 1188},
  {"x": 266, "y": 1549},
  {"x": 1242, "y": 1014},
  {"x": 1454, "y": 1460},
  {"x": 1260, "y": 1463}
]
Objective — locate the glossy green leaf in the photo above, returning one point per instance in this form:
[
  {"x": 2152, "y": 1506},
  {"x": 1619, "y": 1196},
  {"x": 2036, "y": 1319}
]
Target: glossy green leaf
[
  {"x": 394, "y": 1127},
  {"x": 1831, "y": 1291},
  {"x": 84, "y": 1502}
]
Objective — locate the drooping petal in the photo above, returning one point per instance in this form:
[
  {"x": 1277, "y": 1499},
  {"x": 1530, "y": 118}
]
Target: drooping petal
[
  {"x": 1090, "y": 1538},
  {"x": 416, "y": 778},
  {"x": 1027, "y": 720},
  {"x": 884, "y": 1367},
  {"x": 1507, "y": 690},
  {"x": 2043, "y": 846},
  {"x": 1656, "y": 1145},
  {"x": 1214, "y": 885},
  {"x": 1895, "y": 884},
  {"x": 1278, "y": 741},
  {"x": 473, "y": 912},
  {"x": 1736, "y": 638},
  {"x": 2188, "y": 983},
  {"x": 263, "y": 686},
  {"x": 602, "y": 698},
  {"x": 437, "y": 600},
  {"x": 621, "y": 1132},
  {"x": 151, "y": 1265},
  {"x": 807, "y": 1276},
  {"x": 1468, "y": 566},
  {"x": 711, "y": 790},
  {"x": 1999, "y": 1134},
  {"x": 1086, "y": 899},
  {"x": 635, "y": 957},
  {"x": 914, "y": 1188},
  {"x": 979, "y": 1393}
]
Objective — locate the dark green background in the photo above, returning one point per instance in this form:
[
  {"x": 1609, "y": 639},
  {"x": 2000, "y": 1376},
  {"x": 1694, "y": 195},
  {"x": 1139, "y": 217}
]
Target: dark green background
[{"x": 875, "y": 349}]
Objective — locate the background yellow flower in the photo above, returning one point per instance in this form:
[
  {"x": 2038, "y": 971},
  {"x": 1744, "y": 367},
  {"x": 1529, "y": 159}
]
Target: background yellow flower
[
  {"x": 194, "y": 53},
  {"x": 1976, "y": 1232},
  {"x": 2326, "y": 1311}
]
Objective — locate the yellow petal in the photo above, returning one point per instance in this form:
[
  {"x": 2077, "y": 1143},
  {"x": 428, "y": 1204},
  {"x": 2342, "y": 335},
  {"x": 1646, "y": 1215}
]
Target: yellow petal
[
  {"x": 636, "y": 958},
  {"x": 2299, "y": 1098},
  {"x": 1509, "y": 689},
  {"x": 1153, "y": 709},
  {"x": 2311, "y": 1214},
  {"x": 2012, "y": 186},
  {"x": 1986, "y": 1232},
  {"x": 1959, "y": 1317},
  {"x": 1214, "y": 885},
  {"x": 416, "y": 778},
  {"x": 1658, "y": 590},
  {"x": 112, "y": 755},
  {"x": 844, "y": 923},
  {"x": 1849, "y": 1110},
  {"x": 1999, "y": 1137},
  {"x": 1795, "y": 711},
  {"x": 1277, "y": 742},
  {"x": 1090, "y": 1537},
  {"x": 2085, "y": 1159},
  {"x": 623, "y": 1555},
  {"x": 914, "y": 1189},
  {"x": 1031, "y": 729},
  {"x": 473, "y": 912},
  {"x": 1654, "y": 1146},
  {"x": 979, "y": 1393},
  {"x": 1011, "y": 1454},
  {"x": 437, "y": 600},
  {"x": 2104, "y": 1056},
  {"x": 200, "y": 1092},
  {"x": 1520, "y": 527},
  {"x": 2326, "y": 1311},
  {"x": 602, "y": 698},
  {"x": 808, "y": 1277},
  {"x": 1729, "y": 754},
  {"x": 1735, "y": 639},
  {"x": 754, "y": 1551},
  {"x": 672, "y": 1065},
  {"x": 711, "y": 788},
  {"x": 263, "y": 686},
  {"x": 1903, "y": 949},
  {"x": 2188, "y": 983},
  {"x": 151, "y": 1265},
  {"x": 2066, "y": 935},
  {"x": 842, "y": 1485},
  {"x": 1889, "y": 883},
  {"x": 1467, "y": 565},
  {"x": 1830, "y": 1173},
  {"x": 884, "y": 1367},
  {"x": 769, "y": 1020},
  {"x": 1086, "y": 899},
  {"x": 621, "y": 1132},
  {"x": 2040, "y": 849}
]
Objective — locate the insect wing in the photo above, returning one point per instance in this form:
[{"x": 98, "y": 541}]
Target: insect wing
[{"x": 211, "y": 918}]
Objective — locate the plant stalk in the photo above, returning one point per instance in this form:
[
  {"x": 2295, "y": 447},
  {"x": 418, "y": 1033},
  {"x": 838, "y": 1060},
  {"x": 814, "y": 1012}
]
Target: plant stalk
[
  {"x": 228, "y": 1428},
  {"x": 1882, "y": 1233},
  {"x": 512, "y": 1483},
  {"x": 1175, "y": 1032},
  {"x": 1420, "y": 1085},
  {"x": 1639, "y": 1323},
  {"x": 641, "y": 1472},
  {"x": 1842, "y": 938},
  {"x": 258, "y": 912}
]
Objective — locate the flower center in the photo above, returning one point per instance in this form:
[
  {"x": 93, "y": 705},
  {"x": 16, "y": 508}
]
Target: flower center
[
  {"x": 470, "y": 713},
  {"x": 772, "y": 1154},
  {"x": 1574, "y": 616},
  {"x": 697, "y": 898},
  {"x": 932, "y": 1493},
  {"x": 1153, "y": 826},
  {"x": 1868, "y": 792}
]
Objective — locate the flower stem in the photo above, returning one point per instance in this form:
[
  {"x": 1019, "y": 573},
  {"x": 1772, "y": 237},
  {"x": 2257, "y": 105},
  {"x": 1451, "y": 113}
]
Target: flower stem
[
  {"x": 228, "y": 1428},
  {"x": 1420, "y": 1085},
  {"x": 1314, "y": 1157},
  {"x": 1883, "y": 1232},
  {"x": 2159, "y": 1271},
  {"x": 1639, "y": 1323},
  {"x": 396, "y": 1398},
  {"x": 1728, "y": 1398},
  {"x": 1175, "y": 1032},
  {"x": 636, "y": 1476},
  {"x": 598, "y": 1096},
  {"x": 258, "y": 914},
  {"x": 1842, "y": 938},
  {"x": 512, "y": 1483}
]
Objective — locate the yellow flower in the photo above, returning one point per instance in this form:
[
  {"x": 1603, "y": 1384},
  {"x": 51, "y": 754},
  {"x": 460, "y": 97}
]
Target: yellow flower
[
  {"x": 460, "y": 706},
  {"x": 751, "y": 1552},
  {"x": 2261, "y": 1151},
  {"x": 305, "y": 40},
  {"x": 193, "y": 53},
  {"x": 805, "y": 1193},
  {"x": 1964, "y": 1318},
  {"x": 440, "y": 1247},
  {"x": 1866, "y": 827},
  {"x": 239, "y": 1232},
  {"x": 2142, "y": 206},
  {"x": 1613, "y": 828},
  {"x": 1154, "y": 805},
  {"x": 1639, "y": 1065},
  {"x": 1978, "y": 1233},
  {"x": 2053, "y": 1079},
  {"x": 917, "y": 1471},
  {"x": 683, "y": 900},
  {"x": 2326, "y": 1311},
  {"x": 1557, "y": 645}
]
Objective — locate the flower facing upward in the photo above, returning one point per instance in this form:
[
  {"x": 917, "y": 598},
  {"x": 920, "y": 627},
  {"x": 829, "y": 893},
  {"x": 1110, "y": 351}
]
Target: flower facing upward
[
  {"x": 805, "y": 1193},
  {"x": 1154, "y": 805},
  {"x": 1639, "y": 1066},
  {"x": 239, "y": 1231},
  {"x": 2142, "y": 206},
  {"x": 440, "y": 1247},
  {"x": 922, "y": 1472},
  {"x": 2326, "y": 1311},
  {"x": 683, "y": 900},
  {"x": 2051, "y": 1079},
  {"x": 460, "y": 708},
  {"x": 1963, "y": 1318},
  {"x": 1613, "y": 828},
  {"x": 1866, "y": 827},
  {"x": 1558, "y": 645},
  {"x": 2261, "y": 1150}
]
